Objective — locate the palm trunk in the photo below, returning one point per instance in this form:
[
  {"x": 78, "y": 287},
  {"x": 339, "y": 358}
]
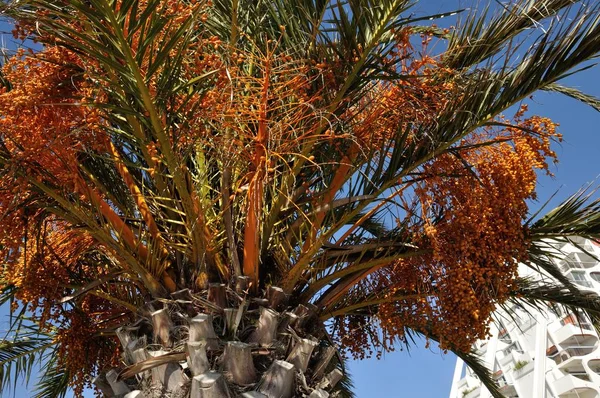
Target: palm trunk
[{"x": 224, "y": 343}]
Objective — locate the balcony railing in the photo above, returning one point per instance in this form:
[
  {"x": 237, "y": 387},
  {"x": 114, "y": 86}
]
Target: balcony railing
[
  {"x": 584, "y": 283},
  {"x": 580, "y": 375},
  {"x": 569, "y": 352},
  {"x": 507, "y": 389},
  {"x": 578, "y": 260},
  {"x": 504, "y": 337},
  {"x": 566, "y": 267},
  {"x": 585, "y": 325},
  {"x": 594, "y": 365},
  {"x": 513, "y": 347},
  {"x": 572, "y": 320}
]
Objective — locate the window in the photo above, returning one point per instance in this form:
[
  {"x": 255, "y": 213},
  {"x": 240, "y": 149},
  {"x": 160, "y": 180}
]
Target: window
[{"x": 579, "y": 278}]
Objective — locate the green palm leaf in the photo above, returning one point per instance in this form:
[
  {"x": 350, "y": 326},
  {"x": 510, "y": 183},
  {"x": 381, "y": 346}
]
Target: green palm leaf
[{"x": 20, "y": 355}]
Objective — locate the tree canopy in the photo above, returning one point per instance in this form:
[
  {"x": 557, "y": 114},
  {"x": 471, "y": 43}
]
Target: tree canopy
[{"x": 367, "y": 162}]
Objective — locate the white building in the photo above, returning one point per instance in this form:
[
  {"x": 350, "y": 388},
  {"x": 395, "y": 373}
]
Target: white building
[{"x": 542, "y": 355}]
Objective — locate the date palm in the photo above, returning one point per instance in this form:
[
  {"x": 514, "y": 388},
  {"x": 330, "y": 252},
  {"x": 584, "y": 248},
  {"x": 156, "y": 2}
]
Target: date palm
[{"x": 241, "y": 193}]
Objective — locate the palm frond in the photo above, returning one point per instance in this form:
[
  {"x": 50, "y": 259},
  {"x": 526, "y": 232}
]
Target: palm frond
[
  {"x": 495, "y": 86},
  {"x": 578, "y": 215},
  {"x": 476, "y": 39},
  {"x": 20, "y": 355},
  {"x": 345, "y": 387},
  {"x": 54, "y": 382},
  {"x": 541, "y": 259},
  {"x": 472, "y": 360},
  {"x": 575, "y": 94},
  {"x": 483, "y": 373},
  {"x": 543, "y": 295}
]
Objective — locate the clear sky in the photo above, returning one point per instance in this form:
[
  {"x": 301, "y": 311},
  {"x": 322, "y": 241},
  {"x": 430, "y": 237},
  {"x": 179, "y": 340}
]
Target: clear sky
[{"x": 426, "y": 373}]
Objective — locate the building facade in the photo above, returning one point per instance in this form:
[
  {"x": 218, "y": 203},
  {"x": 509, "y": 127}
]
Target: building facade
[{"x": 547, "y": 354}]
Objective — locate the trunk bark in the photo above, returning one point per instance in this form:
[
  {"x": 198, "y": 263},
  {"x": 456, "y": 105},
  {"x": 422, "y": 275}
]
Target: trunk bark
[{"x": 244, "y": 350}]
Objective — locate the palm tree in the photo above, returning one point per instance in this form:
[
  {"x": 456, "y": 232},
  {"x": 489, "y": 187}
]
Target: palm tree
[{"x": 242, "y": 193}]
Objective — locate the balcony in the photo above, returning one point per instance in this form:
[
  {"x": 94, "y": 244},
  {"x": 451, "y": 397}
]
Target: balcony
[
  {"x": 586, "y": 260},
  {"x": 566, "y": 267},
  {"x": 577, "y": 260},
  {"x": 525, "y": 323},
  {"x": 571, "y": 334},
  {"x": 522, "y": 368},
  {"x": 508, "y": 390},
  {"x": 588, "y": 245},
  {"x": 581, "y": 323},
  {"x": 504, "y": 337},
  {"x": 586, "y": 284},
  {"x": 571, "y": 352},
  {"x": 571, "y": 386},
  {"x": 580, "y": 278},
  {"x": 513, "y": 347},
  {"x": 594, "y": 365},
  {"x": 480, "y": 346},
  {"x": 581, "y": 375},
  {"x": 574, "y": 364},
  {"x": 471, "y": 393}
]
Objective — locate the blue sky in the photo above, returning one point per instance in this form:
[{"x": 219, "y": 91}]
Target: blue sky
[{"x": 426, "y": 373}]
